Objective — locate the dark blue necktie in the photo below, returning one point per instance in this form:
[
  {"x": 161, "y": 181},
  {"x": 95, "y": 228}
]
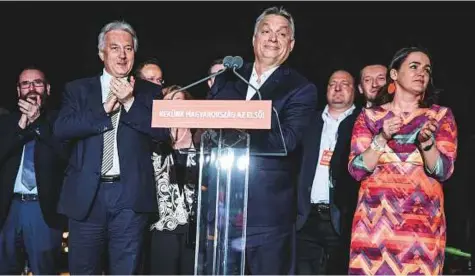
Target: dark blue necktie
[{"x": 28, "y": 177}]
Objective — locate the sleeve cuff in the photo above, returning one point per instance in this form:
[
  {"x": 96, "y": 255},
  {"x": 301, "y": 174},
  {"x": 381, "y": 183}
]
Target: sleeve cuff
[{"x": 128, "y": 105}]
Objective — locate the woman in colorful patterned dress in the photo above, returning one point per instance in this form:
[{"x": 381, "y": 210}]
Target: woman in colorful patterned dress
[{"x": 402, "y": 149}]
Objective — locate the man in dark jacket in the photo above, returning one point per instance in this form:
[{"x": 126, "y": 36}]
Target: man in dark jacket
[{"x": 32, "y": 163}]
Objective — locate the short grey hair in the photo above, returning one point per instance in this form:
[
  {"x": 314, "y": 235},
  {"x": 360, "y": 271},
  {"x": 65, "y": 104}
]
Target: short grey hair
[
  {"x": 276, "y": 11},
  {"x": 116, "y": 25}
]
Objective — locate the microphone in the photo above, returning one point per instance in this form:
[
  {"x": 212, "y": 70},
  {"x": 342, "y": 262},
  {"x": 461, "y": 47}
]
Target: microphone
[
  {"x": 237, "y": 62},
  {"x": 227, "y": 62}
]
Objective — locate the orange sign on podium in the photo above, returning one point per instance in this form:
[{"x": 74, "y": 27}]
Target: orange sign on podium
[{"x": 212, "y": 114}]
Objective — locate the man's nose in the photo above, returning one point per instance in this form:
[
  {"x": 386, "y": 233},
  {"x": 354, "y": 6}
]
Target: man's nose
[
  {"x": 273, "y": 37},
  {"x": 122, "y": 53}
]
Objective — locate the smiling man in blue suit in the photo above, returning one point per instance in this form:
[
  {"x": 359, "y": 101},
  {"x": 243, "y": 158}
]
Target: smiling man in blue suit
[
  {"x": 108, "y": 186},
  {"x": 272, "y": 180}
]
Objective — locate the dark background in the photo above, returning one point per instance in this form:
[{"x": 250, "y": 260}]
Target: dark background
[{"x": 186, "y": 36}]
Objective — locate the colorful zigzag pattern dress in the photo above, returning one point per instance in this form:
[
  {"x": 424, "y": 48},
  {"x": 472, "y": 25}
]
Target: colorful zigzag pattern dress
[{"x": 399, "y": 224}]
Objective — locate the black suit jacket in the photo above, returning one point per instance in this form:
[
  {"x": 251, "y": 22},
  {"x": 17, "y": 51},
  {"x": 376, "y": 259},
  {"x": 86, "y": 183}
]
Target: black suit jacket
[
  {"x": 345, "y": 191},
  {"x": 272, "y": 181},
  {"x": 49, "y": 160},
  {"x": 82, "y": 121}
]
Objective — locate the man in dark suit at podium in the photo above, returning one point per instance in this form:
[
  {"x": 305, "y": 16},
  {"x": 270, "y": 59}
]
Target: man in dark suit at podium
[
  {"x": 109, "y": 183},
  {"x": 272, "y": 180}
]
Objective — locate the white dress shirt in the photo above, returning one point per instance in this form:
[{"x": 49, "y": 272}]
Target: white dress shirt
[
  {"x": 255, "y": 83},
  {"x": 322, "y": 182}
]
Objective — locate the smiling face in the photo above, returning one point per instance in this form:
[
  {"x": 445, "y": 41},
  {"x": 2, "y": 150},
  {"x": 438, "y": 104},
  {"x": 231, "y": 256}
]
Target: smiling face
[
  {"x": 414, "y": 74},
  {"x": 273, "y": 40},
  {"x": 373, "y": 77},
  {"x": 118, "y": 54},
  {"x": 32, "y": 84}
]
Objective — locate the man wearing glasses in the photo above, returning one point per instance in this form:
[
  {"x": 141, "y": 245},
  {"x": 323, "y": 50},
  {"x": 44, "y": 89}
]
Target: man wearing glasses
[{"x": 31, "y": 170}]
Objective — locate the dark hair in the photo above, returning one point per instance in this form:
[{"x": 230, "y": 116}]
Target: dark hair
[
  {"x": 170, "y": 89},
  {"x": 148, "y": 61},
  {"x": 431, "y": 93},
  {"x": 46, "y": 103},
  {"x": 215, "y": 62},
  {"x": 36, "y": 68}
]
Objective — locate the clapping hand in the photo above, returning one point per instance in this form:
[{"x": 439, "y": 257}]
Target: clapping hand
[
  {"x": 427, "y": 130},
  {"x": 30, "y": 110},
  {"x": 111, "y": 105},
  {"x": 122, "y": 89},
  {"x": 391, "y": 126}
]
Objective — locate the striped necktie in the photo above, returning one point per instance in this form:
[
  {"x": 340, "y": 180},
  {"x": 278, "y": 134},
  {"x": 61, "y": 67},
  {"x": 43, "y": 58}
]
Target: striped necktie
[{"x": 109, "y": 141}]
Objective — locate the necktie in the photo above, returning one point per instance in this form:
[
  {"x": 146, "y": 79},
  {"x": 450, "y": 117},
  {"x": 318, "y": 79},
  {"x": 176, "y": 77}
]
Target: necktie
[
  {"x": 28, "y": 177},
  {"x": 109, "y": 141}
]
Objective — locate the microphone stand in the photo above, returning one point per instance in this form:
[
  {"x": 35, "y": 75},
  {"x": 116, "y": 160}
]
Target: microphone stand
[
  {"x": 236, "y": 64},
  {"x": 199, "y": 81},
  {"x": 227, "y": 64}
]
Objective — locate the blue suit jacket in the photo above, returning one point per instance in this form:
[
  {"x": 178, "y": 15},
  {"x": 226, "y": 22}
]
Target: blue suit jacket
[
  {"x": 344, "y": 195},
  {"x": 272, "y": 199},
  {"x": 82, "y": 121}
]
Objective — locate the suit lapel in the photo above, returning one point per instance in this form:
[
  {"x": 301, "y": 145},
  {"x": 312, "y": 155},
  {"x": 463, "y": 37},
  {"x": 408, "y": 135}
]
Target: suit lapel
[
  {"x": 315, "y": 137},
  {"x": 270, "y": 85},
  {"x": 94, "y": 101},
  {"x": 240, "y": 85},
  {"x": 275, "y": 86},
  {"x": 95, "y": 93}
]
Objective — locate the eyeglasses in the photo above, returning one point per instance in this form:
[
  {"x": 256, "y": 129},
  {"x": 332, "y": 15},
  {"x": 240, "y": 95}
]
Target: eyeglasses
[{"x": 35, "y": 83}]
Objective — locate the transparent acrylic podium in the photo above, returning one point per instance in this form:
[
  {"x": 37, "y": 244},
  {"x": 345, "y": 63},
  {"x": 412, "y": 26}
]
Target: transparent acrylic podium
[
  {"x": 226, "y": 154},
  {"x": 225, "y": 159}
]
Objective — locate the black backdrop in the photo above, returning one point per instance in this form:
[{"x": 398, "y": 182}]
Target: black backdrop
[{"x": 185, "y": 36}]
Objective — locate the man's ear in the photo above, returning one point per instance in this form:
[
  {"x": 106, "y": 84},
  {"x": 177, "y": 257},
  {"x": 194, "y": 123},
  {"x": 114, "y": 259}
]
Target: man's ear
[{"x": 101, "y": 55}]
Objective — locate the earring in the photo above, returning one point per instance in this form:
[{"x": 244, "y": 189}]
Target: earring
[{"x": 391, "y": 88}]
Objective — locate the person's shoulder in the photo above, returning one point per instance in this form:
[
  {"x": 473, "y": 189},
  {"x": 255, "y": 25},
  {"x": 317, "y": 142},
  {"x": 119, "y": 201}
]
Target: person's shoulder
[
  {"x": 374, "y": 114},
  {"x": 356, "y": 111},
  {"x": 146, "y": 85},
  {"x": 7, "y": 118},
  {"x": 294, "y": 73},
  {"x": 296, "y": 81},
  {"x": 82, "y": 81},
  {"x": 438, "y": 112},
  {"x": 439, "y": 108},
  {"x": 144, "y": 88}
]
